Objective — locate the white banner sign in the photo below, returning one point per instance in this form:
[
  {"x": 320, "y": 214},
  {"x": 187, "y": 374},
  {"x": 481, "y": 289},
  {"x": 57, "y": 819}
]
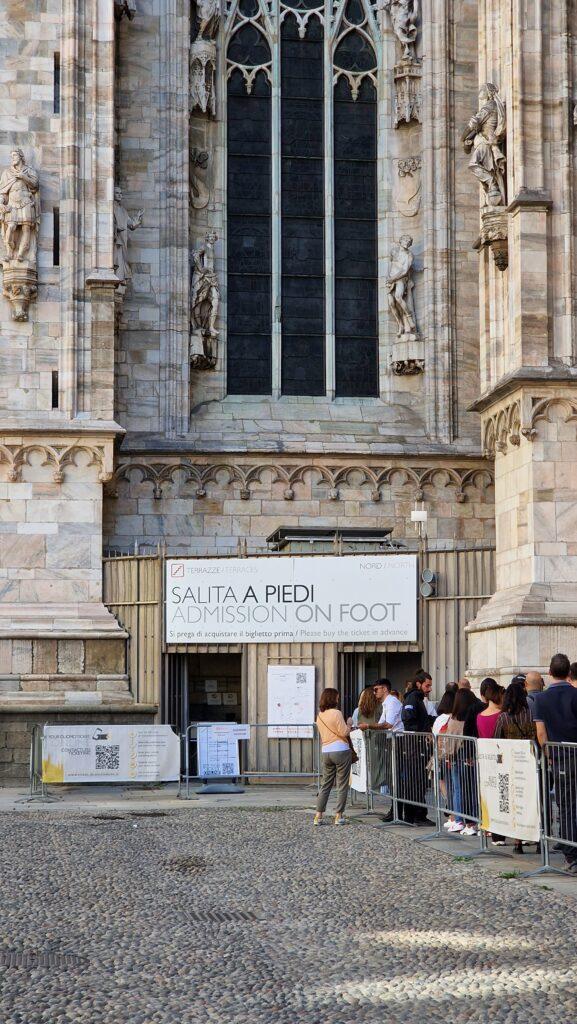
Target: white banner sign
[
  {"x": 509, "y": 788},
  {"x": 291, "y": 701},
  {"x": 218, "y": 748},
  {"x": 359, "y": 770},
  {"x": 110, "y": 753},
  {"x": 302, "y": 599}
]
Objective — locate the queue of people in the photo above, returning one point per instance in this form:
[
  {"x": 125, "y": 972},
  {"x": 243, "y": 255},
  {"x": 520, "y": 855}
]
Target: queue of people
[{"x": 522, "y": 710}]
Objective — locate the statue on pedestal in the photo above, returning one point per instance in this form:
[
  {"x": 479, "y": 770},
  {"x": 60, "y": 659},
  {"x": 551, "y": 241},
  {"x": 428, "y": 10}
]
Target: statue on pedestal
[
  {"x": 208, "y": 14},
  {"x": 483, "y": 138},
  {"x": 123, "y": 223},
  {"x": 400, "y": 286},
  {"x": 204, "y": 303},
  {"x": 20, "y": 220},
  {"x": 404, "y": 16},
  {"x": 20, "y": 209}
]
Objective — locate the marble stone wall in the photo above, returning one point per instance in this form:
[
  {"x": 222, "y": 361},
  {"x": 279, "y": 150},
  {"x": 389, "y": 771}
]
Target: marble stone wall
[{"x": 204, "y": 506}]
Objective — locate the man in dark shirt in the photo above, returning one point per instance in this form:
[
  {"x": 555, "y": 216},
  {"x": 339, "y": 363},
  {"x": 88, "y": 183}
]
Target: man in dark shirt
[
  {"x": 555, "y": 715},
  {"x": 415, "y": 752}
]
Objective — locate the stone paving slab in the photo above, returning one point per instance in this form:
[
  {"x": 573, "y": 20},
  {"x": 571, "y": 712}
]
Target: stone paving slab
[{"x": 353, "y": 924}]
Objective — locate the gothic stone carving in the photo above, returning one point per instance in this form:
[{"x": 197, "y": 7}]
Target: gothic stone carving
[
  {"x": 123, "y": 223},
  {"x": 502, "y": 429},
  {"x": 404, "y": 17},
  {"x": 494, "y": 235},
  {"x": 205, "y": 298},
  {"x": 20, "y": 219},
  {"x": 202, "y": 76},
  {"x": 58, "y": 456},
  {"x": 407, "y": 78},
  {"x": 483, "y": 138},
  {"x": 409, "y": 186},
  {"x": 337, "y": 480}
]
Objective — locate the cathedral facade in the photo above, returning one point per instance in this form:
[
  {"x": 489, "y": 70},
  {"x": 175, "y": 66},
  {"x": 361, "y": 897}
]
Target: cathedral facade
[{"x": 275, "y": 273}]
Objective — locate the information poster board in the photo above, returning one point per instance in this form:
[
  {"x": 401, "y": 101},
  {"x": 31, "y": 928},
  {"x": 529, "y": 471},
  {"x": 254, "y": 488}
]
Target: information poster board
[
  {"x": 293, "y": 599},
  {"x": 291, "y": 701},
  {"x": 359, "y": 770},
  {"x": 509, "y": 788},
  {"x": 217, "y": 746},
  {"x": 110, "y": 753}
]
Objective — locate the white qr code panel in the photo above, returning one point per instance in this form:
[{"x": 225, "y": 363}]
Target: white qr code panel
[
  {"x": 503, "y": 793},
  {"x": 107, "y": 757}
]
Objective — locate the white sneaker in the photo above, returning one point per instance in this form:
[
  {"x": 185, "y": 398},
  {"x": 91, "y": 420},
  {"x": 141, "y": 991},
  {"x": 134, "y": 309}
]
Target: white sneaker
[
  {"x": 469, "y": 830},
  {"x": 456, "y": 826},
  {"x": 448, "y": 822}
]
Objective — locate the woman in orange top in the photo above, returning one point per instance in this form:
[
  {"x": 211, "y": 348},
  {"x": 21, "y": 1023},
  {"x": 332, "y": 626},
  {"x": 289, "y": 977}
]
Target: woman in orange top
[{"x": 336, "y": 755}]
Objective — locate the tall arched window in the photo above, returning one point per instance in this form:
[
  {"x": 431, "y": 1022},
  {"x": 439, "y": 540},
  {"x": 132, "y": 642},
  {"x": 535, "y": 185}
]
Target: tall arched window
[{"x": 302, "y": 210}]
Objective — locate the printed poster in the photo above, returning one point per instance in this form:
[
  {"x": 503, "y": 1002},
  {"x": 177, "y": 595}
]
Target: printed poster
[
  {"x": 217, "y": 747},
  {"x": 110, "y": 753},
  {"x": 291, "y": 701},
  {"x": 509, "y": 788},
  {"x": 359, "y": 770}
]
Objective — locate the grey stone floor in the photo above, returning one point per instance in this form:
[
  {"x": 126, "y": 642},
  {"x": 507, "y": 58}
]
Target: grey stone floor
[{"x": 355, "y": 924}]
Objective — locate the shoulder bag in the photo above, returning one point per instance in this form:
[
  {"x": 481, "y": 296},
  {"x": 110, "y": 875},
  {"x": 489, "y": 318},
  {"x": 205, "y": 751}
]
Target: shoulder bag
[{"x": 354, "y": 755}]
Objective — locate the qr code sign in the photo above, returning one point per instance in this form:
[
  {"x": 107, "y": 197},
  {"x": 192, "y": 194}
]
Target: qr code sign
[
  {"x": 301, "y": 678},
  {"x": 503, "y": 794},
  {"x": 107, "y": 758}
]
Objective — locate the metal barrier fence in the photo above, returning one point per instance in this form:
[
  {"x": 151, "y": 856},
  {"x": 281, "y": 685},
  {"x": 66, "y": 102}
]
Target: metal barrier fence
[
  {"x": 435, "y": 779},
  {"x": 37, "y": 786},
  {"x": 558, "y": 803},
  {"x": 261, "y": 756}
]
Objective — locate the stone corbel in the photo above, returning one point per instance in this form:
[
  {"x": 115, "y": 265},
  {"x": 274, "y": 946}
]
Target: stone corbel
[
  {"x": 494, "y": 235},
  {"x": 407, "y": 78},
  {"x": 408, "y": 357},
  {"x": 19, "y": 286}
]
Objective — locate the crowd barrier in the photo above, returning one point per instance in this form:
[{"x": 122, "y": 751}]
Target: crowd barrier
[
  {"x": 261, "y": 756},
  {"x": 418, "y": 776}
]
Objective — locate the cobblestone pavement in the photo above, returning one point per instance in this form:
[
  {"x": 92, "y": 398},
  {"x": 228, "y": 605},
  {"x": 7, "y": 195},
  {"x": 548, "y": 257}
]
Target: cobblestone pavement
[{"x": 352, "y": 925}]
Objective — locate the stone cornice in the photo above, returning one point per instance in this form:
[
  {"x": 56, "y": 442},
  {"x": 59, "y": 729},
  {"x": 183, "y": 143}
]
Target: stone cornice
[
  {"x": 530, "y": 199},
  {"x": 243, "y": 476},
  {"x": 536, "y": 377},
  {"x": 58, "y": 453}
]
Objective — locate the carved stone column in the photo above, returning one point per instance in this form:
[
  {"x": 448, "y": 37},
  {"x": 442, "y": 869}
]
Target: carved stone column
[{"x": 528, "y": 403}]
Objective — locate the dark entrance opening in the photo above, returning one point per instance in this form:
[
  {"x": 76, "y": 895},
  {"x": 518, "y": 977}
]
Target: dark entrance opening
[
  {"x": 201, "y": 688},
  {"x": 359, "y": 670},
  {"x": 214, "y": 687}
]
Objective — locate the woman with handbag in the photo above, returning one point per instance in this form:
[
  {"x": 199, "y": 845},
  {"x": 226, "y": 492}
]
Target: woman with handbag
[{"x": 337, "y": 755}]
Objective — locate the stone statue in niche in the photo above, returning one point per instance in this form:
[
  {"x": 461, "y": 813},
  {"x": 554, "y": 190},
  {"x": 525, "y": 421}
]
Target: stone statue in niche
[
  {"x": 20, "y": 209},
  {"x": 408, "y": 349},
  {"x": 204, "y": 303},
  {"x": 20, "y": 220},
  {"x": 483, "y": 138},
  {"x": 124, "y": 9},
  {"x": 202, "y": 76},
  {"x": 404, "y": 17},
  {"x": 123, "y": 223},
  {"x": 400, "y": 286},
  {"x": 199, "y": 189},
  {"x": 208, "y": 16},
  {"x": 409, "y": 186}
]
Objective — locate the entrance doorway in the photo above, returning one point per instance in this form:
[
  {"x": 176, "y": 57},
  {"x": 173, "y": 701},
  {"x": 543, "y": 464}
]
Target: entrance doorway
[
  {"x": 201, "y": 688},
  {"x": 214, "y": 688},
  {"x": 359, "y": 670}
]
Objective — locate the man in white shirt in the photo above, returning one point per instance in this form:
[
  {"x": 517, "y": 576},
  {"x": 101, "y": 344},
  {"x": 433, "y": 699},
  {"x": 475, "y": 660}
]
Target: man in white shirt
[{"x": 392, "y": 707}]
